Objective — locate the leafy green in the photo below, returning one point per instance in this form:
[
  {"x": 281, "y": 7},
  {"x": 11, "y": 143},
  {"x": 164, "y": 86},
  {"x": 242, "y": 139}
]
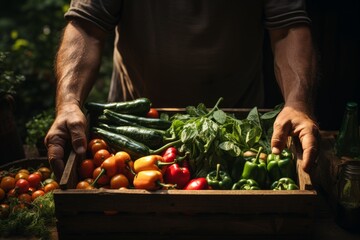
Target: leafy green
[
  {"x": 214, "y": 136},
  {"x": 38, "y": 126},
  {"x": 32, "y": 220}
]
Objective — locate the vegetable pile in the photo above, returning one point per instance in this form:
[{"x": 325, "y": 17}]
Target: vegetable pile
[
  {"x": 133, "y": 146},
  {"x": 26, "y": 202}
]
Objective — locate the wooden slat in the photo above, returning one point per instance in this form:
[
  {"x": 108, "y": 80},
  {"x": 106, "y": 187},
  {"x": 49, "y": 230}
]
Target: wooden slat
[
  {"x": 69, "y": 178},
  {"x": 232, "y": 202},
  {"x": 183, "y": 224}
]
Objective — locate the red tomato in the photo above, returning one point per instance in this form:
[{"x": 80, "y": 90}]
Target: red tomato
[
  {"x": 103, "y": 180},
  {"x": 4, "y": 210},
  {"x": 31, "y": 190},
  {"x": 118, "y": 181},
  {"x": 100, "y": 156},
  {"x": 25, "y": 198},
  {"x": 22, "y": 185},
  {"x": 7, "y": 183},
  {"x": 86, "y": 168},
  {"x": 82, "y": 185},
  {"x": 34, "y": 180},
  {"x": 153, "y": 113},
  {"x": 96, "y": 144},
  {"x": 11, "y": 193},
  {"x": 22, "y": 175},
  {"x": 50, "y": 187},
  {"x": 45, "y": 173},
  {"x": 37, "y": 194}
]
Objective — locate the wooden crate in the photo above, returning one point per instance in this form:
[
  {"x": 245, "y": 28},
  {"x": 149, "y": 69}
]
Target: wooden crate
[{"x": 204, "y": 214}]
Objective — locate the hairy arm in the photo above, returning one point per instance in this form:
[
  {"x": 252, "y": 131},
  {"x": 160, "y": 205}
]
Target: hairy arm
[
  {"x": 76, "y": 66},
  {"x": 295, "y": 71},
  {"x": 78, "y": 62}
]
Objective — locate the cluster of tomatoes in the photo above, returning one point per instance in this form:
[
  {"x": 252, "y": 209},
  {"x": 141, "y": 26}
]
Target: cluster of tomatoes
[
  {"x": 23, "y": 186},
  {"x": 91, "y": 167}
]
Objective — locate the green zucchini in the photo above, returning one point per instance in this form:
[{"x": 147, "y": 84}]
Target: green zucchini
[
  {"x": 120, "y": 142},
  {"x": 156, "y": 123},
  {"x": 149, "y": 137},
  {"x": 139, "y": 107}
]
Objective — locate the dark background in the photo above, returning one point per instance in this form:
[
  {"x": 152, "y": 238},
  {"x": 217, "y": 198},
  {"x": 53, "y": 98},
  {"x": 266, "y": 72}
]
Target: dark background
[
  {"x": 30, "y": 30},
  {"x": 336, "y": 33}
]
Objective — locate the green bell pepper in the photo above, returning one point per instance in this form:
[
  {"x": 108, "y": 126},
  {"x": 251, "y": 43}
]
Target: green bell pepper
[
  {"x": 280, "y": 165},
  {"x": 219, "y": 179},
  {"x": 284, "y": 184},
  {"x": 246, "y": 184},
  {"x": 255, "y": 169}
]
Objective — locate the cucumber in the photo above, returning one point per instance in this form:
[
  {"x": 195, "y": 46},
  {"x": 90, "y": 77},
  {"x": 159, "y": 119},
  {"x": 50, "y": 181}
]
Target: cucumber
[
  {"x": 115, "y": 121},
  {"x": 149, "y": 137},
  {"x": 156, "y": 123},
  {"x": 120, "y": 142},
  {"x": 139, "y": 107}
]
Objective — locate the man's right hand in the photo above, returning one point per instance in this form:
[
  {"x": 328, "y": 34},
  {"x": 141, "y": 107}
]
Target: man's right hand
[{"x": 68, "y": 126}]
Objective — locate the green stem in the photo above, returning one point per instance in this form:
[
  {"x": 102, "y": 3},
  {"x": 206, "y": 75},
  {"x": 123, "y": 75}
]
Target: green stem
[
  {"x": 217, "y": 177},
  {"x": 181, "y": 158},
  {"x": 93, "y": 184},
  {"x": 170, "y": 144},
  {"x": 258, "y": 154},
  {"x": 215, "y": 107},
  {"x": 169, "y": 186},
  {"x": 160, "y": 163},
  {"x": 129, "y": 168},
  {"x": 169, "y": 139}
]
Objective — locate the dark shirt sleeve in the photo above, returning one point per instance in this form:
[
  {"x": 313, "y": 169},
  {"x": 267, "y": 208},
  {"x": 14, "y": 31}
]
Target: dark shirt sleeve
[
  {"x": 283, "y": 13},
  {"x": 104, "y": 13}
]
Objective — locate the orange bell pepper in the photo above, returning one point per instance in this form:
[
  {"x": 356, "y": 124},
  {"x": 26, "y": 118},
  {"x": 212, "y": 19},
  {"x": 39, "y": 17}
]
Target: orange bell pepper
[
  {"x": 151, "y": 162},
  {"x": 150, "y": 180}
]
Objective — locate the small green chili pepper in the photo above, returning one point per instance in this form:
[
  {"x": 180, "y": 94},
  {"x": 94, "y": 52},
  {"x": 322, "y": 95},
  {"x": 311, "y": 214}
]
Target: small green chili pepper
[
  {"x": 284, "y": 184},
  {"x": 246, "y": 184},
  {"x": 219, "y": 179}
]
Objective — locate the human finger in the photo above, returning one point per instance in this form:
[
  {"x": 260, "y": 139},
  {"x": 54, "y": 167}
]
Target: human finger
[
  {"x": 281, "y": 132},
  {"x": 310, "y": 145}
]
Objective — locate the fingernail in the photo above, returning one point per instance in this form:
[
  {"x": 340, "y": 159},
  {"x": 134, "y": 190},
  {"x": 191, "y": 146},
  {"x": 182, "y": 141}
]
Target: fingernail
[
  {"x": 275, "y": 150},
  {"x": 80, "y": 150}
]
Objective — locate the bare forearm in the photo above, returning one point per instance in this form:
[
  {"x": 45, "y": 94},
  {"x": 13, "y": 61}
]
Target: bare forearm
[
  {"x": 295, "y": 65},
  {"x": 77, "y": 64}
]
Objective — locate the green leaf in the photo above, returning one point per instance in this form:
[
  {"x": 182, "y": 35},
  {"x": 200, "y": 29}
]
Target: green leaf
[
  {"x": 253, "y": 136},
  {"x": 254, "y": 116},
  {"x": 270, "y": 114},
  {"x": 231, "y": 148},
  {"x": 220, "y": 116}
]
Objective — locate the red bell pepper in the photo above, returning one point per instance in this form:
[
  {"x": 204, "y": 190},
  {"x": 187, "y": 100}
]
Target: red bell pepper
[
  {"x": 169, "y": 154},
  {"x": 175, "y": 174},
  {"x": 197, "y": 184}
]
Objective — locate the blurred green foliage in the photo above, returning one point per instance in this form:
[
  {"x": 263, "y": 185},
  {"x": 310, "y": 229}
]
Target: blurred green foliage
[
  {"x": 9, "y": 80},
  {"x": 38, "y": 126},
  {"x": 30, "y": 32}
]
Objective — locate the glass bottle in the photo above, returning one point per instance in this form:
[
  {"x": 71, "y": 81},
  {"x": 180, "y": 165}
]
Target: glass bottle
[
  {"x": 347, "y": 143},
  {"x": 348, "y": 204}
]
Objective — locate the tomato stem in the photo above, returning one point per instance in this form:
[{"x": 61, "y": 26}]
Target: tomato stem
[{"x": 102, "y": 172}]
